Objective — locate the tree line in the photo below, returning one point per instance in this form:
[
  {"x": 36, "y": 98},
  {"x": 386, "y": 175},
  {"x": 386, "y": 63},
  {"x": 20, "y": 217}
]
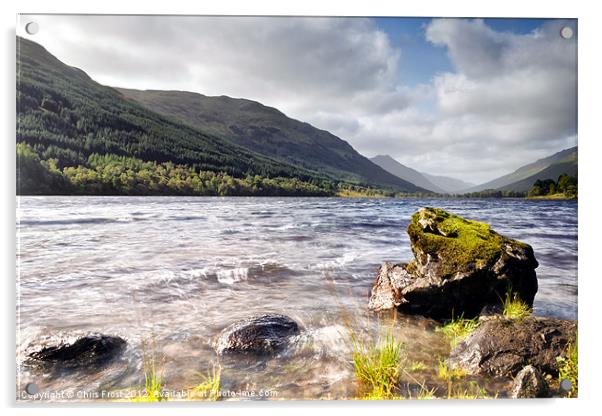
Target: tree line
[
  {"x": 110, "y": 174},
  {"x": 565, "y": 186}
]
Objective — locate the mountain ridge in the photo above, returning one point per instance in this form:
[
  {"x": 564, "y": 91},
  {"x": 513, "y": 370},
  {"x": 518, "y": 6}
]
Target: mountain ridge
[
  {"x": 64, "y": 115},
  {"x": 452, "y": 185},
  {"x": 551, "y": 172},
  {"x": 435, "y": 183},
  {"x": 411, "y": 175},
  {"x": 531, "y": 172},
  {"x": 268, "y": 131}
]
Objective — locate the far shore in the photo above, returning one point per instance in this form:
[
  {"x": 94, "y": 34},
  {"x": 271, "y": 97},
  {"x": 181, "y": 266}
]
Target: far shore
[{"x": 553, "y": 197}]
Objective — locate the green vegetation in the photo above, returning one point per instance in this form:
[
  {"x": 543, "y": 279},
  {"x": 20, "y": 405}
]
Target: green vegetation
[
  {"x": 122, "y": 175},
  {"x": 521, "y": 180},
  {"x": 63, "y": 114},
  {"x": 383, "y": 372},
  {"x": 458, "y": 329},
  {"x": 568, "y": 367},
  {"x": 534, "y": 180},
  {"x": 564, "y": 188},
  {"x": 110, "y": 174},
  {"x": 153, "y": 381},
  {"x": 209, "y": 388},
  {"x": 458, "y": 389},
  {"x": 515, "y": 307},
  {"x": 461, "y": 241},
  {"x": 378, "y": 365},
  {"x": 426, "y": 393},
  {"x": 357, "y": 192},
  {"x": 271, "y": 133},
  {"x": 69, "y": 123},
  {"x": 450, "y": 374},
  {"x": 473, "y": 391},
  {"x": 417, "y": 366}
]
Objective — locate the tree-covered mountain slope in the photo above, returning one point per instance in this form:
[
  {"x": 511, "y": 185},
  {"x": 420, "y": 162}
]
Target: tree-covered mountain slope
[
  {"x": 268, "y": 131},
  {"x": 552, "y": 172},
  {"x": 566, "y": 161},
  {"x": 67, "y": 120},
  {"x": 64, "y": 114}
]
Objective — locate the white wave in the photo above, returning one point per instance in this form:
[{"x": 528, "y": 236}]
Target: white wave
[
  {"x": 203, "y": 272},
  {"x": 338, "y": 262},
  {"x": 231, "y": 276},
  {"x": 334, "y": 339},
  {"x": 331, "y": 341}
]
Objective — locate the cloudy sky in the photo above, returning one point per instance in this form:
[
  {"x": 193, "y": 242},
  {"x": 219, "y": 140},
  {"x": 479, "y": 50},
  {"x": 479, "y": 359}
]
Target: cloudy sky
[{"x": 468, "y": 98}]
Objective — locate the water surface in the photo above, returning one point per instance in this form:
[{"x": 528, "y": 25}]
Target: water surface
[{"x": 168, "y": 273}]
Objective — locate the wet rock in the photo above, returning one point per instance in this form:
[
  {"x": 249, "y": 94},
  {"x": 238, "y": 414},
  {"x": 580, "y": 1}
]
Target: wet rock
[
  {"x": 491, "y": 311},
  {"x": 502, "y": 347},
  {"x": 529, "y": 384},
  {"x": 460, "y": 266},
  {"x": 260, "y": 334},
  {"x": 89, "y": 351}
]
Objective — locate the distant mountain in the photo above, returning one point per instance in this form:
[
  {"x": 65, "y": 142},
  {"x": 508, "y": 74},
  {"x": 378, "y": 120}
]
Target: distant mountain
[
  {"x": 522, "y": 179},
  {"x": 411, "y": 175},
  {"x": 451, "y": 185},
  {"x": 269, "y": 132},
  {"x": 438, "y": 184},
  {"x": 551, "y": 172}
]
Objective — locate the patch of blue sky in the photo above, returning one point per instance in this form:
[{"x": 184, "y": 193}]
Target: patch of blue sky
[{"x": 420, "y": 60}]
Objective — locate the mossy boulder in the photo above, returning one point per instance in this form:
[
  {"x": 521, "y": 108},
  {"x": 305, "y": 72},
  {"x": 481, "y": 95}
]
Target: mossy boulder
[
  {"x": 445, "y": 244},
  {"x": 460, "y": 266}
]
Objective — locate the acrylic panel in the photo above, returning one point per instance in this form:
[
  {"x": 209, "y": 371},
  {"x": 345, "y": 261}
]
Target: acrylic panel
[{"x": 218, "y": 208}]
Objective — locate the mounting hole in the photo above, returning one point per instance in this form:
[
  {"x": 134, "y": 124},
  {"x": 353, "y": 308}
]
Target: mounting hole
[
  {"x": 566, "y": 32},
  {"x": 32, "y": 28},
  {"x": 566, "y": 385},
  {"x": 31, "y": 388}
]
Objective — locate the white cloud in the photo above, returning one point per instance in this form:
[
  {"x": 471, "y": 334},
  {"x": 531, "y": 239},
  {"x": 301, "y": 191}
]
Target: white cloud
[
  {"x": 511, "y": 94},
  {"x": 510, "y": 99}
]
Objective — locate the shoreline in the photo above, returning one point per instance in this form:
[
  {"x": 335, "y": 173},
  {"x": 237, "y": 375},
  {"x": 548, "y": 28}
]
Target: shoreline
[{"x": 435, "y": 197}]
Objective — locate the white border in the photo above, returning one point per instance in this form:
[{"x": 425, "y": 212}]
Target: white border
[{"x": 589, "y": 229}]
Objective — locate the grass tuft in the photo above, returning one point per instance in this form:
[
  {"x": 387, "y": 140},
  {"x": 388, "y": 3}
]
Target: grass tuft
[
  {"x": 417, "y": 366},
  {"x": 378, "y": 365},
  {"x": 153, "y": 381},
  {"x": 474, "y": 391},
  {"x": 450, "y": 374},
  {"x": 458, "y": 329},
  {"x": 209, "y": 388},
  {"x": 426, "y": 393},
  {"x": 568, "y": 368},
  {"x": 515, "y": 307}
]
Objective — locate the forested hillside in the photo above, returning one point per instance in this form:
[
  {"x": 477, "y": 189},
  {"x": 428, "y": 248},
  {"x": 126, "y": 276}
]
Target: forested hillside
[
  {"x": 66, "y": 121},
  {"x": 267, "y": 131}
]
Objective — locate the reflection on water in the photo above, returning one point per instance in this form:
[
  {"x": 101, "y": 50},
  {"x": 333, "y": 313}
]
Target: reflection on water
[{"x": 175, "y": 271}]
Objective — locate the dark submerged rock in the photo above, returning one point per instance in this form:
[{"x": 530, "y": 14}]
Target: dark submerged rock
[
  {"x": 529, "y": 384},
  {"x": 89, "y": 351},
  {"x": 460, "y": 267},
  {"x": 502, "y": 347},
  {"x": 260, "y": 334}
]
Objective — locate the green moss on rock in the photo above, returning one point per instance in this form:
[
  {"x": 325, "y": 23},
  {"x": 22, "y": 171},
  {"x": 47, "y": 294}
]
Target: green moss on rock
[
  {"x": 458, "y": 244},
  {"x": 460, "y": 267}
]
